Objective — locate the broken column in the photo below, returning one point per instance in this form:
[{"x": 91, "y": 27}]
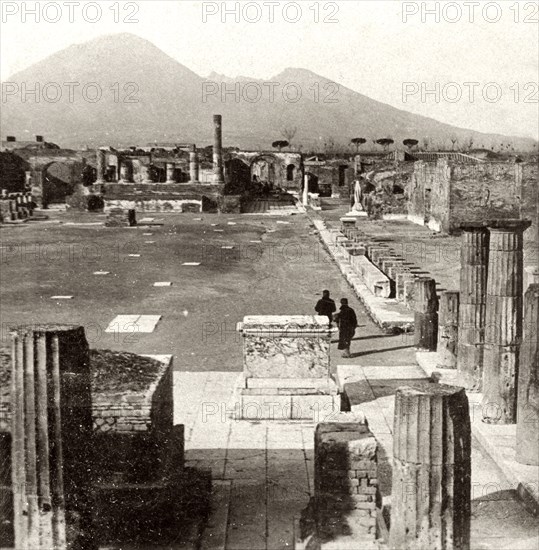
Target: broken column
[
  {"x": 528, "y": 383},
  {"x": 51, "y": 437},
  {"x": 425, "y": 314},
  {"x": 193, "y": 165},
  {"x": 218, "y": 174},
  {"x": 473, "y": 292},
  {"x": 503, "y": 320},
  {"x": 101, "y": 166},
  {"x": 448, "y": 327},
  {"x": 171, "y": 172},
  {"x": 431, "y": 487}
]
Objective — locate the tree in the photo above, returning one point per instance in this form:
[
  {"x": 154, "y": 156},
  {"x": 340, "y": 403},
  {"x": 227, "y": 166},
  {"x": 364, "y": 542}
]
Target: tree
[
  {"x": 470, "y": 142},
  {"x": 410, "y": 143},
  {"x": 454, "y": 140},
  {"x": 279, "y": 144},
  {"x": 358, "y": 142},
  {"x": 385, "y": 142},
  {"x": 426, "y": 143},
  {"x": 289, "y": 133}
]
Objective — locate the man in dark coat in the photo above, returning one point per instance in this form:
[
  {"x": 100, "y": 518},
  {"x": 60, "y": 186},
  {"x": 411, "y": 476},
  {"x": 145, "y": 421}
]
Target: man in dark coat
[
  {"x": 326, "y": 306},
  {"x": 347, "y": 321}
]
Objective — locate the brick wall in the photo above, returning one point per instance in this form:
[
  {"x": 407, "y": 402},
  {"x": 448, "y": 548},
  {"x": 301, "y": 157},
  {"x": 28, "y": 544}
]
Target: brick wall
[{"x": 346, "y": 480}]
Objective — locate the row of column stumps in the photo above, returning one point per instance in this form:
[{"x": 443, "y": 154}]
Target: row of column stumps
[
  {"x": 51, "y": 438},
  {"x": 126, "y": 171}
]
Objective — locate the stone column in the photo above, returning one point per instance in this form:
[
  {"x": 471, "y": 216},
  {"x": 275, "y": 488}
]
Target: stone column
[
  {"x": 473, "y": 292},
  {"x": 528, "y": 383},
  {"x": 51, "y": 437},
  {"x": 431, "y": 487},
  {"x": 503, "y": 320},
  {"x": 425, "y": 314},
  {"x": 101, "y": 166},
  {"x": 305, "y": 196},
  {"x": 193, "y": 165},
  {"x": 171, "y": 175},
  {"x": 218, "y": 174},
  {"x": 448, "y": 327},
  {"x": 146, "y": 173}
]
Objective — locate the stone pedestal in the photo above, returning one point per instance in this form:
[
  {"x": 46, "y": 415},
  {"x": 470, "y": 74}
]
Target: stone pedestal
[
  {"x": 286, "y": 368},
  {"x": 503, "y": 316},
  {"x": 448, "y": 327},
  {"x": 51, "y": 438},
  {"x": 528, "y": 383},
  {"x": 431, "y": 487},
  {"x": 473, "y": 292},
  {"x": 346, "y": 481},
  {"x": 425, "y": 314}
]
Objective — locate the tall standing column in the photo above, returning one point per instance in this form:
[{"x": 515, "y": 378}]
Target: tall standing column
[
  {"x": 448, "y": 327},
  {"x": 146, "y": 173},
  {"x": 171, "y": 172},
  {"x": 193, "y": 165},
  {"x": 305, "y": 195},
  {"x": 431, "y": 487},
  {"x": 528, "y": 383},
  {"x": 503, "y": 316},
  {"x": 51, "y": 437},
  {"x": 473, "y": 293},
  {"x": 218, "y": 174},
  {"x": 101, "y": 165},
  {"x": 425, "y": 314}
]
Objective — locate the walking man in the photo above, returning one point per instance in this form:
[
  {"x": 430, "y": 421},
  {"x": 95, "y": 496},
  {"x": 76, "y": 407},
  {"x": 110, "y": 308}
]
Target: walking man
[
  {"x": 326, "y": 306},
  {"x": 347, "y": 321}
]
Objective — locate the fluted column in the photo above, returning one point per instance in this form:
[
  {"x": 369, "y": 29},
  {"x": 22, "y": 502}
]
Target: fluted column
[
  {"x": 528, "y": 383},
  {"x": 101, "y": 165},
  {"x": 503, "y": 319},
  {"x": 193, "y": 165},
  {"x": 448, "y": 329},
  {"x": 218, "y": 174},
  {"x": 431, "y": 484},
  {"x": 425, "y": 314},
  {"x": 51, "y": 437},
  {"x": 473, "y": 291}
]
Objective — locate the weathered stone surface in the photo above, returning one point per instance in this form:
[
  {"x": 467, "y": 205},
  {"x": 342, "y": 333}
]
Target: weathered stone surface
[
  {"x": 431, "y": 493},
  {"x": 448, "y": 329},
  {"x": 527, "y": 450},
  {"x": 425, "y": 314}
]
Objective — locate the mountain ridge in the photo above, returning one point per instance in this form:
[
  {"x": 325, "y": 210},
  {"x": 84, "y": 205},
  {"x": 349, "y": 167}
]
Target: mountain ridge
[{"x": 148, "y": 95}]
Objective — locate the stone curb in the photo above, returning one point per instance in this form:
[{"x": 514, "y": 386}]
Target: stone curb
[{"x": 388, "y": 314}]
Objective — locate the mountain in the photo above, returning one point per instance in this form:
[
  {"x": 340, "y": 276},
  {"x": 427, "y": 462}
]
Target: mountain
[{"x": 125, "y": 91}]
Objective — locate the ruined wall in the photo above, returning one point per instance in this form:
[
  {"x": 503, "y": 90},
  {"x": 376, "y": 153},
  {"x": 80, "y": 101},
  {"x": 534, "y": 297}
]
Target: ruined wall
[
  {"x": 439, "y": 203},
  {"x": 481, "y": 192},
  {"x": 527, "y": 175},
  {"x": 12, "y": 172},
  {"x": 422, "y": 178}
]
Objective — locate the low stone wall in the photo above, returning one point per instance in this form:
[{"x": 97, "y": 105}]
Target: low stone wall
[{"x": 154, "y": 205}]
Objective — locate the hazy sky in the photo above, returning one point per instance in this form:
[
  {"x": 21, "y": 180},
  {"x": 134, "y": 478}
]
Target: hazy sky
[{"x": 373, "y": 47}]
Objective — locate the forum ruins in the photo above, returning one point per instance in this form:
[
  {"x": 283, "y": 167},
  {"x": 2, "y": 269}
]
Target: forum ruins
[{"x": 277, "y": 442}]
